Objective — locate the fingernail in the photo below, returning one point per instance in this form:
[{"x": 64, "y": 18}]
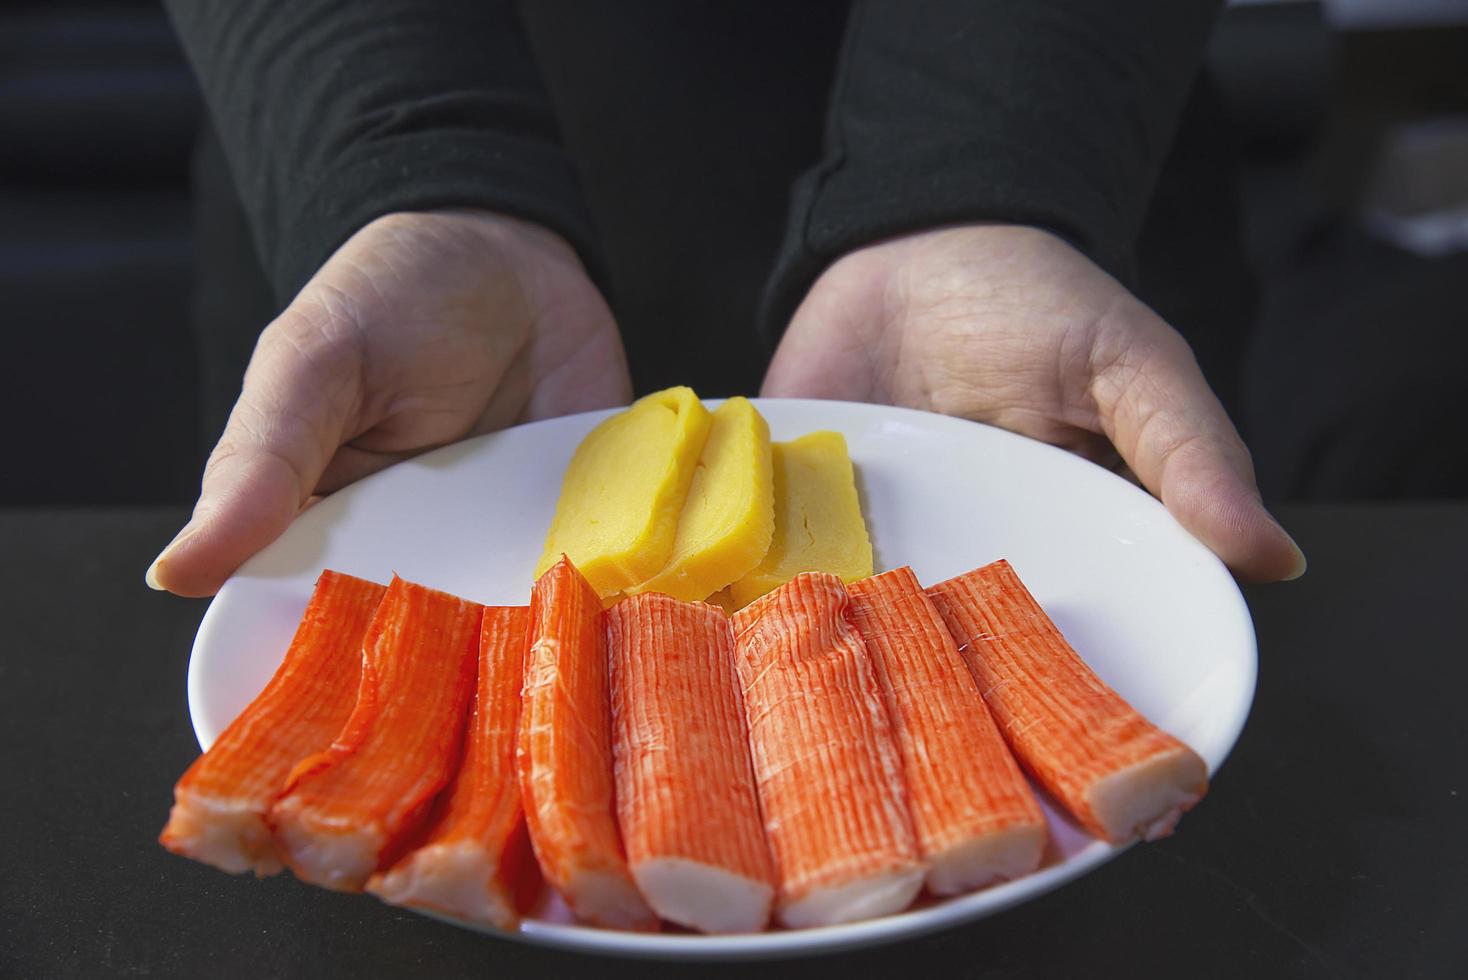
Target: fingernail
[
  {"x": 151, "y": 575},
  {"x": 1300, "y": 563}
]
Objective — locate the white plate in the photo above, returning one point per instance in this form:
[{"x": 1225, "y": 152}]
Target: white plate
[{"x": 1152, "y": 610}]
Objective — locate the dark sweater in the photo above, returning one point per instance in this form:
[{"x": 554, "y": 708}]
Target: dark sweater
[{"x": 663, "y": 139}]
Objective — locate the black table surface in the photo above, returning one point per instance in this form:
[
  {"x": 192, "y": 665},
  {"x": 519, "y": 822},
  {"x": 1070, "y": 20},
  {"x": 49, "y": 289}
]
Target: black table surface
[{"x": 1333, "y": 843}]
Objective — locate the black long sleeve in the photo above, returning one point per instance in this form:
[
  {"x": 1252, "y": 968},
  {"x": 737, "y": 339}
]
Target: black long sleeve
[
  {"x": 1055, "y": 113},
  {"x": 333, "y": 113}
]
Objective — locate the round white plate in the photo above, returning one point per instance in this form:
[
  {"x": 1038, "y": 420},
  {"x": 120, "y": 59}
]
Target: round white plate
[{"x": 1148, "y": 607}]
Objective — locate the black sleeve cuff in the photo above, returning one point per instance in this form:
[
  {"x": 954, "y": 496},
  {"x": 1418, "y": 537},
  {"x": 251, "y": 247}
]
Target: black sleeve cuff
[
  {"x": 420, "y": 171},
  {"x": 332, "y": 114},
  {"x": 1056, "y": 114}
]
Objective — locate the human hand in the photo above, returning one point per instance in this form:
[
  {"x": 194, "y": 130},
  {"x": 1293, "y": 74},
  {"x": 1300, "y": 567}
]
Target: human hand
[
  {"x": 1012, "y": 326},
  {"x": 422, "y": 329}
]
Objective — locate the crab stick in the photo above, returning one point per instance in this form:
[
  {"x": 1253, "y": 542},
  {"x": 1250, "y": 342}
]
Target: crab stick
[
  {"x": 976, "y": 818},
  {"x": 686, "y": 800},
  {"x": 220, "y": 804},
  {"x": 565, "y": 754},
  {"x": 474, "y": 862},
  {"x": 829, "y": 776},
  {"x": 1118, "y": 774},
  {"x": 347, "y": 810}
]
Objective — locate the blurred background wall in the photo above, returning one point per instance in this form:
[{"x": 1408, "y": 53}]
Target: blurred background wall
[
  {"x": 98, "y": 389},
  {"x": 1350, "y": 132}
]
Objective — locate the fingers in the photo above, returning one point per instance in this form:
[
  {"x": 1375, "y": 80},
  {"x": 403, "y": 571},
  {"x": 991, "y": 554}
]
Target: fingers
[
  {"x": 290, "y": 418},
  {"x": 1158, "y": 410}
]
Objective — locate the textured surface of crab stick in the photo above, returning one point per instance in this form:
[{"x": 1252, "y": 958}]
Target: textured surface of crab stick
[
  {"x": 220, "y": 804},
  {"x": 829, "y": 776},
  {"x": 976, "y": 818},
  {"x": 346, "y": 810},
  {"x": 686, "y": 799},
  {"x": 474, "y": 861},
  {"x": 1118, "y": 774},
  {"x": 565, "y": 754}
]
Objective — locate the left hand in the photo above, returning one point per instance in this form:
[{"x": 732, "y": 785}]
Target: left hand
[
  {"x": 1012, "y": 326},
  {"x": 422, "y": 328}
]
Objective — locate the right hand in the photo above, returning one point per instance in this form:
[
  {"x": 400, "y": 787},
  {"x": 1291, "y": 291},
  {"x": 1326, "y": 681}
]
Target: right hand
[
  {"x": 422, "y": 329},
  {"x": 1012, "y": 326}
]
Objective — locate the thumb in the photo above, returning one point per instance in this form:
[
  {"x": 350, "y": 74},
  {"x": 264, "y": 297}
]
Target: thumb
[
  {"x": 1165, "y": 421},
  {"x": 289, "y": 420}
]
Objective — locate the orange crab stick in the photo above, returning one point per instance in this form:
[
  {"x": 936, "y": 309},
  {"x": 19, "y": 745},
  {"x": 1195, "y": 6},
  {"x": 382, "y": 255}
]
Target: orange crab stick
[
  {"x": 977, "y": 821},
  {"x": 685, "y": 786},
  {"x": 348, "y": 809},
  {"x": 829, "y": 776},
  {"x": 475, "y": 861},
  {"x": 1117, "y": 773},
  {"x": 221, "y": 802},
  {"x": 565, "y": 754}
]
